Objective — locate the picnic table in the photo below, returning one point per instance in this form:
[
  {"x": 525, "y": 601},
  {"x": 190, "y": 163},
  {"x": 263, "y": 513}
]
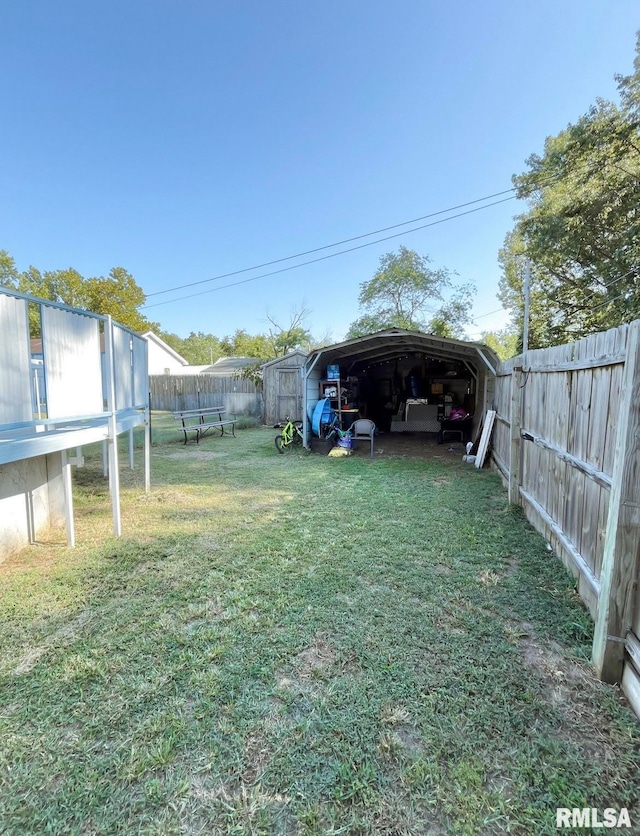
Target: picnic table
[{"x": 199, "y": 421}]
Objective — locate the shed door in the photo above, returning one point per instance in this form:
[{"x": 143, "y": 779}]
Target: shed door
[{"x": 289, "y": 395}]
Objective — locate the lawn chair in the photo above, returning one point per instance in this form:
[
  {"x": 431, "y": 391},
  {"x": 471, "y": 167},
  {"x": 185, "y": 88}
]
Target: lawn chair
[{"x": 362, "y": 428}]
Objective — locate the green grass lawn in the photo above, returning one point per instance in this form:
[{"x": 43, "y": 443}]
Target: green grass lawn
[{"x": 296, "y": 643}]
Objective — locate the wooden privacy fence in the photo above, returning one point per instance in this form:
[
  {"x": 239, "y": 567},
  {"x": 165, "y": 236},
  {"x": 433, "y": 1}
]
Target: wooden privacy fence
[
  {"x": 567, "y": 444},
  {"x": 177, "y": 392}
]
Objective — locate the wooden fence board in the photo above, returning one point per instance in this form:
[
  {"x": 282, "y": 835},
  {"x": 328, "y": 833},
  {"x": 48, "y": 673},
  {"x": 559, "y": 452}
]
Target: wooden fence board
[
  {"x": 603, "y": 515},
  {"x": 621, "y": 562},
  {"x": 612, "y": 420},
  {"x": 580, "y": 470},
  {"x": 177, "y": 392}
]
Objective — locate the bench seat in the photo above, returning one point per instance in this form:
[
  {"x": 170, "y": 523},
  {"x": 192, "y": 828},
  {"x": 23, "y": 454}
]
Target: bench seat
[{"x": 199, "y": 421}]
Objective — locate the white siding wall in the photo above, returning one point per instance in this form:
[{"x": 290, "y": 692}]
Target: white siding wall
[
  {"x": 72, "y": 363},
  {"x": 123, "y": 367},
  {"x": 140, "y": 376},
  {"x": 160, "y": 360},
  {"x": 15, "y": 362}
]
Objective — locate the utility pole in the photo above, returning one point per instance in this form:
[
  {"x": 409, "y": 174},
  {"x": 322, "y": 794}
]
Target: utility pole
[{"x": 527, "y": 292}]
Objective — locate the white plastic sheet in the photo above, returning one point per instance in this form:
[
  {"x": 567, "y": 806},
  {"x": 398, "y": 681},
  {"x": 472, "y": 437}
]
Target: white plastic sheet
[
  {"x": 71, "y": 348},
  {"x": 15, "y": 366}
]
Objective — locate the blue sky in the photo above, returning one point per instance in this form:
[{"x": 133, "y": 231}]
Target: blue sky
[{"x": 187, "y": 139}]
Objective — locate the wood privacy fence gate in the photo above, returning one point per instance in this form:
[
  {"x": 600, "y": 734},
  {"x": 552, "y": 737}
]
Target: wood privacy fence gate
[{"x": 567, "y": 444}]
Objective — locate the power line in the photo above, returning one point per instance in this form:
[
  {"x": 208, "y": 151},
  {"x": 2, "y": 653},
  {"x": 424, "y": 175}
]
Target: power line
[
  {"x": 482, "y": 316},
  {"x": 594, "y": 294},
  {"x": 321, "y": 258},
  {"x": 330, "y": 246},
  {"x": 609, "y": 301},
  {"x": 540, "y": 181}
]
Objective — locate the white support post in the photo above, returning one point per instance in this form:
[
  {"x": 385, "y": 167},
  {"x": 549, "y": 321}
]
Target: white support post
[
  {"x": 68, "y": 500},
  {"x": 131, "y": 457},
  {"x": 112, "y": 440},
  {"x": 527, "y": 299},
  {"x": 147, "y": 451}
]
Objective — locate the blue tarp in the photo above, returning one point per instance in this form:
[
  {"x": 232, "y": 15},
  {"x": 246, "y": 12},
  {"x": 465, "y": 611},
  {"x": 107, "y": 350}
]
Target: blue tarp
[{"x": 322, "y": 414}]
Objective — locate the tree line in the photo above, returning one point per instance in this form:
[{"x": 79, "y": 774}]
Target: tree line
[{"x": 120, "y": 296}]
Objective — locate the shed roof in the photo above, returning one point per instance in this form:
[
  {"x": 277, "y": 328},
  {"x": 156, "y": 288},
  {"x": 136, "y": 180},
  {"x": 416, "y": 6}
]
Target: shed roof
[
  {"x": 387, "y": 345},
  {"x": 298, "y": 352},
  {"x": 230, "y": 365}
]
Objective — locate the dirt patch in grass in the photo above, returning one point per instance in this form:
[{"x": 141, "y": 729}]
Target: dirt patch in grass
[
  {"x": 417, "y": 446},
  {"x": 571, "y": 688},
  {"x": 63, "y": 636},
  {"x": 315, "y": 659},
  {"x": 548, "y": 659}
]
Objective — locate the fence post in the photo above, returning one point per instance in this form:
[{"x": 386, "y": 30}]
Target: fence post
[
  {"x": 620, "y": 562},
  {"x": 515, "y": 419}
]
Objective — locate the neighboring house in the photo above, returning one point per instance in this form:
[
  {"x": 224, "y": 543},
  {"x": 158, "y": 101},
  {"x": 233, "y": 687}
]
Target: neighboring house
[{"x": 162, "y": 358}]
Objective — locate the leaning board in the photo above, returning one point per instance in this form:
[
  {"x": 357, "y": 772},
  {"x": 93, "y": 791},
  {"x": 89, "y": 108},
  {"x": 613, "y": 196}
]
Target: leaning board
[{"x": 484, "y": 438}]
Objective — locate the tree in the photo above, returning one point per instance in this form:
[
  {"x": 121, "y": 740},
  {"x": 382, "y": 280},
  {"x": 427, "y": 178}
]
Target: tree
[
  {"x": 284, "y": 339},
  {"x": 243, "y": 344},
  {"x": 504, "y": 342},
  {"x": 65, "y": 286},
  {"x": 8, "y": 272},
  {"x": 120, "y": 296},
  {"x": 400, "y": 295},
  {"x": 580, "y": 233},
  {"x": 198, "y": 349},
  {"x": 454, "y": 314}
]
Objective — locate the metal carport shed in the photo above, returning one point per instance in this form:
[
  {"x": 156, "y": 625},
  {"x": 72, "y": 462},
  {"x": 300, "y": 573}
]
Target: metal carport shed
[{"x": 405, "y": 381}]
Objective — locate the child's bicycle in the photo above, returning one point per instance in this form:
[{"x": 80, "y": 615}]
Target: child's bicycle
[{"x": 291, "y": 434}]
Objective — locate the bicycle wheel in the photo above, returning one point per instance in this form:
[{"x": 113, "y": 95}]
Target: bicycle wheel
[{"x": 281, "y": 443}]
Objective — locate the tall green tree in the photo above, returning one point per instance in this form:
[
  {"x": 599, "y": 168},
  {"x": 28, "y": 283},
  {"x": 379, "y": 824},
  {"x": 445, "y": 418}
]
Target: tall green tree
[
  {"x": 198, "y": 348},
  {"x": 65, "y": 286},
  {"x": 8, "y": 272},
  {"x": 580, "y": 233},
  {"x": 405, "y": 292},
  {"x": 120, "y": 296},
  {"x": 503, "y": 342},
  {"x": 243, "y": 344}
]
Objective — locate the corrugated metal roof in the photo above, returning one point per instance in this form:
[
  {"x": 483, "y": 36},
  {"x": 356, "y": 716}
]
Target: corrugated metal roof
[{"x": 389, "y": 344}]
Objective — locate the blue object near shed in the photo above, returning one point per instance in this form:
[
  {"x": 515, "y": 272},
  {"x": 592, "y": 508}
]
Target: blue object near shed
[{"x": 322, "y": 414}]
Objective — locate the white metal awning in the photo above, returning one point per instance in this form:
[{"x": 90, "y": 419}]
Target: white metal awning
[{"x": 390, "y": 344}]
